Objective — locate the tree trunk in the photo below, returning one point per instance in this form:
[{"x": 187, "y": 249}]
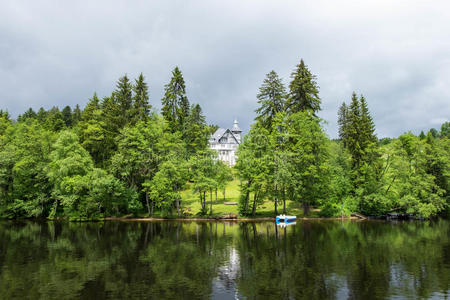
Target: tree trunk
[
  {"x": 146, "y": 200},
  {"x": 204, "y": 202},
  {"x": 276, "y": 200},
  {"x": 276, "y": 209},
  {"x": 246, "y": 201},
  {"x": 224, "y": 188},
  {"x": 305, "y": 208},
  {"x": 153, "y": 206},
  {"x": 210, "y": 202},
  {"x": 255, "y": 197},
  {"x": 178, "y": 206}
]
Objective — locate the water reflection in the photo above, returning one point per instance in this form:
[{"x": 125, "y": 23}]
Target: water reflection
[{"x": 189, "y": 260}]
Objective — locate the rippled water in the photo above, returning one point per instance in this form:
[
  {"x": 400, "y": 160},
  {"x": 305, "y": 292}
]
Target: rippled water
[{"x": 202, "y": 260}]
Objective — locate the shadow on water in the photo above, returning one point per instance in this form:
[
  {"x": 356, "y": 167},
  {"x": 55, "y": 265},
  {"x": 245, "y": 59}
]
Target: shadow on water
[{"x": 202, "y": 260}]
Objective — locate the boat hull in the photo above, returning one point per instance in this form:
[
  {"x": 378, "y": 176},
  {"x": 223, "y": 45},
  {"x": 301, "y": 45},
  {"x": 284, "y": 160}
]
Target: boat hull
[{"x": 285, "y": 219}]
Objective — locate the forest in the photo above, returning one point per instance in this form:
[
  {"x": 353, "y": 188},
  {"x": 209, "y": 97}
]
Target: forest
[{"x": 119, "y": 156}]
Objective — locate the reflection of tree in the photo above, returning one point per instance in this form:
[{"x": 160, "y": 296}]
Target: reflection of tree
[
  {"x": 114, "y": 260},
  {"x": 314, "y": 260},
  {"x": 321, "y": 260}
]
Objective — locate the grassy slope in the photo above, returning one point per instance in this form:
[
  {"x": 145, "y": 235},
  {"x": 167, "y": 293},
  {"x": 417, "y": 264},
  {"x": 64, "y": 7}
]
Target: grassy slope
[{"x": 191, "y": 203}]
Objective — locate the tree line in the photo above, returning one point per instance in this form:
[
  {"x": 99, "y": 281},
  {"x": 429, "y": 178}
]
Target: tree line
[
  {"x": 118, "y": 156},
  {"x": 287, "y": 156}
]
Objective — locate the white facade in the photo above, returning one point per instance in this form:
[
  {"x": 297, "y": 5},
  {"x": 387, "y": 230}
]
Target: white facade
[{"x": 226, "y": 142}]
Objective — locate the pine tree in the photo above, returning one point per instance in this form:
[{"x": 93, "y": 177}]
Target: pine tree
[
  {"x": 353, "y": 132},
  {"x": 175, "y": 102},
  {"x": 422, "y": 135},
  {"x": 197, "y": 132},
  {"x": 124, "y": 98},
  {"x": 141, "y": 107},
  {"x": 41, "y": 115},
  {"x": 271, "y": 97},
  {"x": 185, "y": 110},
  {"x": 343, "y": 122},
  {"x": 29, "y": 114},
  {"x": 76, "y": 115},
  {"x": 367, "y": 125},
  {"x": 303, "y": 91},
  {"x": 67, "y": 116}
]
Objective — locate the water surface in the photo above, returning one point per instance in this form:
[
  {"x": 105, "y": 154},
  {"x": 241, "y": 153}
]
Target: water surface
[{"x": 203, "y": 260}]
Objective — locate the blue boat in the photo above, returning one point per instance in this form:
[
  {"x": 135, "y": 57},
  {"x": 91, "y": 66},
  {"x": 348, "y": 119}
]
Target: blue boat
[{"x": 285, "y": 219}]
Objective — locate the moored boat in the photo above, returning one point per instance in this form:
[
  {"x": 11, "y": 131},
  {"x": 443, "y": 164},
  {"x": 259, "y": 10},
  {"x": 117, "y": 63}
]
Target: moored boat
[{"x": 285, "y": 219}]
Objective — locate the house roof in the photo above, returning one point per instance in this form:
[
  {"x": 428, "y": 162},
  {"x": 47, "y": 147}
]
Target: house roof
[{"x": 221, "y": 132}]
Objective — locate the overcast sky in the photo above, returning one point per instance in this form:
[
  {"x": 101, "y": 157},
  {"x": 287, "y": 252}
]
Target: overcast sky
[{"x": 396, "y": 53}]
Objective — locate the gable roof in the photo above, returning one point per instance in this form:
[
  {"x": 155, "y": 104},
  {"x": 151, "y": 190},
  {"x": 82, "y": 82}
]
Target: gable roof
[{"x": 220, "y": 133}]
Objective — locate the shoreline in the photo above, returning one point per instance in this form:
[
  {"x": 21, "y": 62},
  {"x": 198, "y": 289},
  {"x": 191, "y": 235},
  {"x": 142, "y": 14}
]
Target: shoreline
[{"x": 148, "y": 219}]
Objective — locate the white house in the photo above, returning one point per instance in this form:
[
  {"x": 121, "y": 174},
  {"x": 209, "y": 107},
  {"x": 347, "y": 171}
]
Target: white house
[{"x": 226, "y": 142}]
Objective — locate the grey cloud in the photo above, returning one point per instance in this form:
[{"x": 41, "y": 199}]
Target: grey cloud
[{"x": 395, "y": 53}]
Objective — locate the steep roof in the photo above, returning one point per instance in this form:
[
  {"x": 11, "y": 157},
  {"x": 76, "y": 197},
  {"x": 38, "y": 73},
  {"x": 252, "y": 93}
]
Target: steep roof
[{"x": 221, "y": 132}]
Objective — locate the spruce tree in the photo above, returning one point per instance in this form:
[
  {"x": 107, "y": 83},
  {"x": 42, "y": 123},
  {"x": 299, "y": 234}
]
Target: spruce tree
[
  {"x": 67, "y": 116},
  {"x": 41, "y": 115},
  {"x": 367, "y": 125},
  {"x": 76, "y": 115},
  {"x": 29, "y": 114},
  {"x": 303, "y": 91},
  {"x": 271, "y": 97},
  {"x": 141, "y": 107},
  {"x": 197, "y": 132},
  {"x": 175, "y": 103},
  {"x": 353, "y": 132},
  {"x": 343, "y": 122},
  {"x": 124, "y": 99}
]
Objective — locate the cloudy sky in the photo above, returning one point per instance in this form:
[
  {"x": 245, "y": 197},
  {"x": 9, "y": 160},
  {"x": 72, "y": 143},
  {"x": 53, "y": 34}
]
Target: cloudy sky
[{"x": 396, "y": 53}]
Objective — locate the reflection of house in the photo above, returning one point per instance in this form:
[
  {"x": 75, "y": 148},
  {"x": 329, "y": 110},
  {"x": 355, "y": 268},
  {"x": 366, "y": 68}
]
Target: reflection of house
[{"x": 226, "y": 142}]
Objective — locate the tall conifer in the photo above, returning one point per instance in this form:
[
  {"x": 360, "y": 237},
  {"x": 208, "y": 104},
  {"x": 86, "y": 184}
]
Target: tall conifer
[
  {"x": 175, "y": 103},
  {"x": 303, "y": 91},
  {"x": 271, "y": 97},
  {"x": 141, "y": 107}
]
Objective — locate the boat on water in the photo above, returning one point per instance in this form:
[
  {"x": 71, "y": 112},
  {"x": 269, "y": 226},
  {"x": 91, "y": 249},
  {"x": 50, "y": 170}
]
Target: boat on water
[{"x": 285, "y": 219}]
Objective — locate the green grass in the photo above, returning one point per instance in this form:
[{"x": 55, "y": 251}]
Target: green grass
[{"x": 192, "y": 207}]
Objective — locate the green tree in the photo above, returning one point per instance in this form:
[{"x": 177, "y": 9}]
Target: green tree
[
  {"x": 343, "y": 123},
  {"x": 94, "y": 136},
  {"x": 54, "y": 120},
  {"x": 24, "y": 156},
  {"x": 67, "y": 116},
  {"x": 167, "y": 183},
  {"x": 271, "y": 98},
  {"x": 204, "y": 174},
  {"x": 124, "y": 99},
  {"x": 141, "y": 106},
  {"x": 196, "y": 133},
  {"x": 253, "y": 166},
  {"x": 303, "y": 91},
  {"x": 141, "y": 149},
  {"x": 175, "y": 104},
  {"x": 76, "y": 115},
  {"x": 29, "y": 114},
  {"x": 224, "y": 175},
  {"x": 410, "y": 188},
  {"x": 309, "y": 144}
]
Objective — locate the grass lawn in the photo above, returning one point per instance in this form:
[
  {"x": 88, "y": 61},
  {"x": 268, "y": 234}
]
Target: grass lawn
[{"x": 191, "y": 203}]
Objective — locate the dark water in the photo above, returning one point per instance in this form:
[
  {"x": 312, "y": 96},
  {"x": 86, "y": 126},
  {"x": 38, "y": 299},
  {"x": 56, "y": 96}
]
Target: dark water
[{"x": 189, "y": 260}]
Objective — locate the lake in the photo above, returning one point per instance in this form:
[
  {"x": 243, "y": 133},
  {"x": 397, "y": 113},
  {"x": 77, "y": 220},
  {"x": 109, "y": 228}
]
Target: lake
[{"x": 220, "y": 260}]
